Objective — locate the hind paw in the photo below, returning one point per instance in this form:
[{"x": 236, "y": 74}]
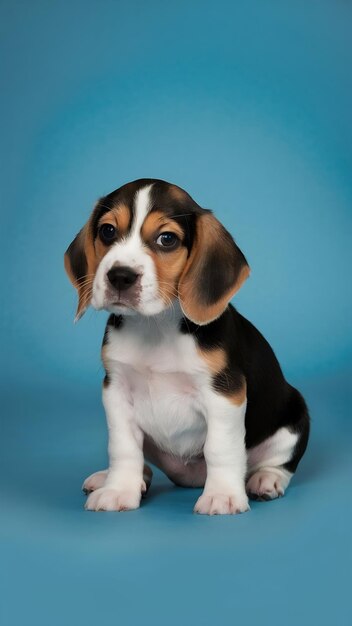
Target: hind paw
[
  {"x": 94, "y": 481},
  {"x": 267, "y": 484}
]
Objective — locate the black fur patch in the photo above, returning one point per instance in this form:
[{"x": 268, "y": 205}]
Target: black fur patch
[
  {"x": 271, "y": 402},
  {"x": 299, "y": 424},
  {"x": 221, "y": 270},
  {"x": 180, "y": 207},
  {"x": 116, "y": 321},
  {"x": 77, "y": 257}
]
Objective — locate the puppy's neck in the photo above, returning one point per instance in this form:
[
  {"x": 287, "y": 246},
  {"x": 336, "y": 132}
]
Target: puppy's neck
[{"x": 157, "y": 325}]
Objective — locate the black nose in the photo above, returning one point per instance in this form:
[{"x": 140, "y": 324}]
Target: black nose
[{"x": 122, "y": 277}]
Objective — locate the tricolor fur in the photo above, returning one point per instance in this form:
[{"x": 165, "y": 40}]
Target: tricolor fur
[{"x": 190, "y": 384}]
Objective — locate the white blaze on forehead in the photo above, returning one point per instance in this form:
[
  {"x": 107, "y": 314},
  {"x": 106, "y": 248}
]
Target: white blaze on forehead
[
  {"x": 130, "y": 251},
  {"x": 142, "y": 206}
]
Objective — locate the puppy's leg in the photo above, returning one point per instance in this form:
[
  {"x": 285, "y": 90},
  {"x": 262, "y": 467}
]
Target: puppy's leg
[
  {"x": 124, "y": 482},
  {"x": 225, "y": 456},
  {"x": 97, "y": 480},
  {"x": 272, "y": 463}
]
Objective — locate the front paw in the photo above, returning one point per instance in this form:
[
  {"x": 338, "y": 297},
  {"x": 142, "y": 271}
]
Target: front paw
[
  {"x": 109, "y": 499},
  {"x": 221, "y": 504}
]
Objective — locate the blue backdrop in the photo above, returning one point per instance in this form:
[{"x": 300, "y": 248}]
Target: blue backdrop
[{"x": 247, "y": 105}]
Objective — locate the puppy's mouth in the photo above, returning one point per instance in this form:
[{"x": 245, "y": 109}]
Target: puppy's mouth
[
  {"x": 130, "y": 303},
  {"x": 122, "y": 300},
  {"x": 120, "y": 303}
]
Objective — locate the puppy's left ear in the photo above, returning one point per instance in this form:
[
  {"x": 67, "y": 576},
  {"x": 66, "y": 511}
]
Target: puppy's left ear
[
  {"x": 80, "y": 265},
  {"x": 215, "y": 270}
]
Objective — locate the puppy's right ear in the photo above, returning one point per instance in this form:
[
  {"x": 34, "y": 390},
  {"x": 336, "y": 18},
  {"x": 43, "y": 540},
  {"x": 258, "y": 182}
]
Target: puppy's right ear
[{"x": 80, "y": 265}]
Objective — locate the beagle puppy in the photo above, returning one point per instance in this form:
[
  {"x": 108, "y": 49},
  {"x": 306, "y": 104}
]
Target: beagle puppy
[{"x": 191, "y": 385}]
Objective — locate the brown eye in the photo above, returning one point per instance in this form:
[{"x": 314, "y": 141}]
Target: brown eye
[
  {"x": 107, "y": 233},
  {"x": 167, "y": 240}
]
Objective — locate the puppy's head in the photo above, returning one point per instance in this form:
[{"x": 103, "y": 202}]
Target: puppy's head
[{"x": 147, "y": 244}]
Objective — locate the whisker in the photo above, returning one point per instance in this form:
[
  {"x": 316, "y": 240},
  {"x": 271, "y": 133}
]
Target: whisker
[
  {"x": 86, "y": 276},
  {"x": 85, "y": 294},
  {"x": 85, "y": 287},
  {"x": 83, "y": 283}
]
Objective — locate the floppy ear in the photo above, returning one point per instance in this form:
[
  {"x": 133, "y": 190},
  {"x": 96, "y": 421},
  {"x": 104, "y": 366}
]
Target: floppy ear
[
  {"x": 215, "y": 270},
  {"x": 80, "y": 265}
]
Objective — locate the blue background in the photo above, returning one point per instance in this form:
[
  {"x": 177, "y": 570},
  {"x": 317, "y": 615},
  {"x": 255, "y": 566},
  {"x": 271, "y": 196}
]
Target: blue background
[{"x": 247, "y": 105}]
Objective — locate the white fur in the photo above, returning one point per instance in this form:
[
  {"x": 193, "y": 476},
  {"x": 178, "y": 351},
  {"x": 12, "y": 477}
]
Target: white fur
[
  {"x": 272, "y": 452},
  {"x": 163, "y": 372},
  {"x": 267, "y": 479}
]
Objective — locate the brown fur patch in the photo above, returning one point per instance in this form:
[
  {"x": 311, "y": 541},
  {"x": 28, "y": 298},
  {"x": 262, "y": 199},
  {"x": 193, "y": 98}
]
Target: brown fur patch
[
  {"x": 156, "y": 223},
  {"x": 215, "y": 359},
  {"x": 68, "y": 268},
  {"x": 120, "y": 217},
  {"x": 169, "y": 265},
  {"x": 83, "y": 247},
  {"x": 86, "y": 283}
]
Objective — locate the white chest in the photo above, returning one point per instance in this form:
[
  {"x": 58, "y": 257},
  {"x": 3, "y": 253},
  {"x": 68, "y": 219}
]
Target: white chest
[{"x": 165, "y": 376}]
